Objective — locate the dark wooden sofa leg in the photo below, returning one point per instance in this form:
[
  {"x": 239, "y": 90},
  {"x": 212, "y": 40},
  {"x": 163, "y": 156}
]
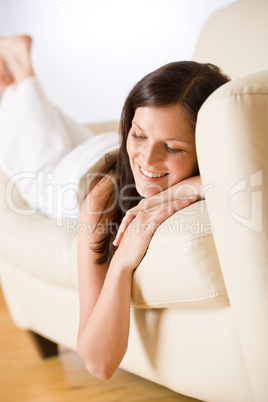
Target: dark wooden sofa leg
[{"x": 46, "y": 348}]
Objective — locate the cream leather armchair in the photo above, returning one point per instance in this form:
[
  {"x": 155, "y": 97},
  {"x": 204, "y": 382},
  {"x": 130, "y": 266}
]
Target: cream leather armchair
[{"x": 199, "y": 317}]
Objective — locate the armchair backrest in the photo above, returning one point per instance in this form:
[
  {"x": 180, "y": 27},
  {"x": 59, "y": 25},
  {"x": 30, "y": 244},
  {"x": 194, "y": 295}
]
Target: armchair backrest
[{"x": 236, "y": 38}]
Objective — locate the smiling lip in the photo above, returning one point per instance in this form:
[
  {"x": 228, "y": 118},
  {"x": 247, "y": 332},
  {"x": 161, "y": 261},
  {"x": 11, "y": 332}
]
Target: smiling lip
[{"x": 150, "y": 175}]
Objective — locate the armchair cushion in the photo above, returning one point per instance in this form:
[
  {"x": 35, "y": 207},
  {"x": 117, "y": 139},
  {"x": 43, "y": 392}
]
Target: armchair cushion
[{"x": 181, "y": 267}]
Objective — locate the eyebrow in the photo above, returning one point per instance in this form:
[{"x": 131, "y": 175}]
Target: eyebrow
[
  {"x": 133, "y": 122},
  {"x": 166, "y": 139}
]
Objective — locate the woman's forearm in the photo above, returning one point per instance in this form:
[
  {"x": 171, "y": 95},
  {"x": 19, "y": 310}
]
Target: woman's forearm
[
  {"x": 185, "y": 188},
  {"x": 103, "y": 340}
]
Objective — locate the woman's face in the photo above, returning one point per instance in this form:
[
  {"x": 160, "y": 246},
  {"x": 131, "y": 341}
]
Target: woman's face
[{"x": 161, "y": 148}]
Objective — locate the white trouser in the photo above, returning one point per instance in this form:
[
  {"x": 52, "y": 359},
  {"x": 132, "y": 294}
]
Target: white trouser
[{"x": 44, "y": 152}]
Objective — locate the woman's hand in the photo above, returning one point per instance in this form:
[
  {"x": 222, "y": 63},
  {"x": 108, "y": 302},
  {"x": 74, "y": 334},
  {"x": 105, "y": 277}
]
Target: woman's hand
[
  {"x": 140, "y": 223},
  {"x": 179, "y": 196}
]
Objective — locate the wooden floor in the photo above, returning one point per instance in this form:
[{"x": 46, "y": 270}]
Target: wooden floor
[{"x": 25, "y": 377}]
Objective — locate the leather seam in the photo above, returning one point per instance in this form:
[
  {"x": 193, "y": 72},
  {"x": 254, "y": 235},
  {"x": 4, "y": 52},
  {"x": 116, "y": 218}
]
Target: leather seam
[
  {"x": 178, "y": 242},
  {"x": 188, "y": 300}
]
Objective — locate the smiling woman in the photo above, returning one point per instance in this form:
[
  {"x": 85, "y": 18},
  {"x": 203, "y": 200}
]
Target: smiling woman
[
  {"x": 161, "y": 148},
  {"x": 157, "y": 156}
]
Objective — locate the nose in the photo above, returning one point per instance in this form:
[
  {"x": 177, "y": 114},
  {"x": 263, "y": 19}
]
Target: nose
[{"x": 152, "y": 155}]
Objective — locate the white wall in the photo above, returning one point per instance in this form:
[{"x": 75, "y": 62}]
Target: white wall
[{"x": 89, "y": 53}]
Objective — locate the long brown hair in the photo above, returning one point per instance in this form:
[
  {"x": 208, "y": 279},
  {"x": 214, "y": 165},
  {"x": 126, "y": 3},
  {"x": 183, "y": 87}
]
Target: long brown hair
[{"x": 184, "y": 83}]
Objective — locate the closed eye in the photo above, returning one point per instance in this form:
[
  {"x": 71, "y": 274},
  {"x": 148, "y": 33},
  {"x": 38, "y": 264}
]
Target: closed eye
[
  {"x": 138, "y": 137},
  {"x": 174, "y": 151},
  {"x": 171, "y": 150}
]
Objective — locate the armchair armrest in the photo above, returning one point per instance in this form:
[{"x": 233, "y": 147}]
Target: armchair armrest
[{"x": 232, "y": 147}]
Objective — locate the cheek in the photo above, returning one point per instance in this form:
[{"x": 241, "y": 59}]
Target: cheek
[
  {"x": 130, "y": 148},
  {"x": 184, "y": 168}
]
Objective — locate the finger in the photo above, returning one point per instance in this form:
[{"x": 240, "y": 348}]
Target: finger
[
  {"x": 183, "y": 202},
  {"x": 126, "y": 221},
  {"x": 119, "y": 235},
  {"x": 192, "y": 198},
  {"x": 171, "y": 206},
  {"x": 168, "y": 209},
  {"x": 160, "y": 212}
]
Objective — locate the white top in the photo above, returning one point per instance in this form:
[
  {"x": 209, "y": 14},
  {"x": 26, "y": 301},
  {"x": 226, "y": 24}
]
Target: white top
[{"x": 45, "y": 152}]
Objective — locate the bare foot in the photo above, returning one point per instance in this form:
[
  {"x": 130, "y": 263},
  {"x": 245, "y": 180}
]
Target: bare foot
[
  {"x": 15, "y": 52},
  {"x": 5, "y": 76}
]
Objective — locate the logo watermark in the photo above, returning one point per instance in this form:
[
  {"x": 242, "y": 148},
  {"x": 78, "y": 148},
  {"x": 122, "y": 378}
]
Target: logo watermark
[
  {"x": 252, "y": 185},
  {"x": 62, "y": 202},
  {"x": 175, "y": 227}
]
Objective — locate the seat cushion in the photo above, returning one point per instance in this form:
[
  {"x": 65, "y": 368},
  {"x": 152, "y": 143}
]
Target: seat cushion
[{"x": 33, "y": 243}]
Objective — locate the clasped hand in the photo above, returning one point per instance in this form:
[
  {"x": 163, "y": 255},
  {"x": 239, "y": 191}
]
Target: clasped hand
[{"x": 152, "y": 211}]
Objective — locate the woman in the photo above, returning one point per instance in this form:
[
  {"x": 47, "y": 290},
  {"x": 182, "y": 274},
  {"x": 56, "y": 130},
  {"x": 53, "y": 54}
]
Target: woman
[
  {"x": 157, "y": 151},
  {"x": 154, "y": 174}
]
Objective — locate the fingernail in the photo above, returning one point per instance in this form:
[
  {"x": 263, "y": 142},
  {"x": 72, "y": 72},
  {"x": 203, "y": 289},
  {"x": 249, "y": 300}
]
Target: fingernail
[
  {"x": 192, "y": 197},
  {"x": 185, "y": 200}
]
